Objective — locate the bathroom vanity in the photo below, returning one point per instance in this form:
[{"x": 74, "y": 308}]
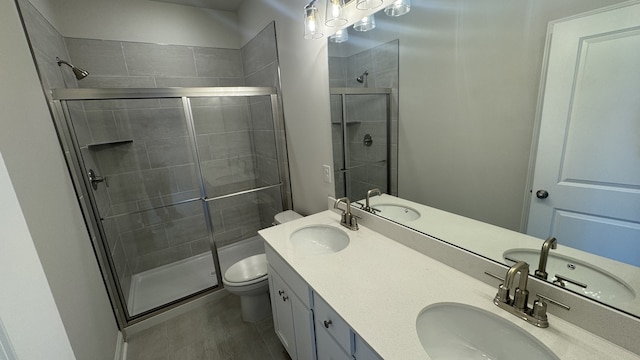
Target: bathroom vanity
[{"x": 363, "y": 300}]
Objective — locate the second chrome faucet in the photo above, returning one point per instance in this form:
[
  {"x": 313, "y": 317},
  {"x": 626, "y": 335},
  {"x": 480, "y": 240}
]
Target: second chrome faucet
[
  {"x": 550, "y": 243},
  {"x": 518, "y": 305},
  {"x": 371, "y": 192},
  {"x": 348, "y": 220}
]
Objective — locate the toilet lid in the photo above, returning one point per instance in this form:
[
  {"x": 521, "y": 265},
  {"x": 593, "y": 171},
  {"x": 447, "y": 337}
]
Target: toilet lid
[
  {"x": 247, "y": 270},
  {"x": 286, "y": 216}
]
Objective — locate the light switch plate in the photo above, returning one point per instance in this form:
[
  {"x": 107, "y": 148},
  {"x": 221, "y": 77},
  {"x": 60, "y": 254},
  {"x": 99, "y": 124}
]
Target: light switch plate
[{"x": 326, "y": 173}]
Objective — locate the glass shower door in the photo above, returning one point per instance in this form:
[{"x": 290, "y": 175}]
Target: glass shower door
[
  {"x": 240, "y": 167},
  {"x": 361, "y": 140},
  {"x": 147, "y": 194}
]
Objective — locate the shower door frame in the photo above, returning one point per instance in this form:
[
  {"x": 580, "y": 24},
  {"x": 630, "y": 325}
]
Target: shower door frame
[
  {"x": 86, "y": 197},
  {"x": 344, "y": 92}
]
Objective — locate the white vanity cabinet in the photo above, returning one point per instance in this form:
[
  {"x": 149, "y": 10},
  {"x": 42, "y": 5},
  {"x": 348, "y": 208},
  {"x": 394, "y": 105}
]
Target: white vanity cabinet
[
  {"x": 295, "y": 306},
  {"x": 334, "y": 338},
  {"x": 290, "y": 303}
]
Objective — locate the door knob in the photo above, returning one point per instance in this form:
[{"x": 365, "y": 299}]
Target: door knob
[{"x": 542, "y": 194}]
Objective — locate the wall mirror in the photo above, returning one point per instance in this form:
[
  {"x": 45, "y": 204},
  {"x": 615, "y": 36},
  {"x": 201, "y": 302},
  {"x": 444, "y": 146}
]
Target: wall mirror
[{"x": 474, "y": 125}]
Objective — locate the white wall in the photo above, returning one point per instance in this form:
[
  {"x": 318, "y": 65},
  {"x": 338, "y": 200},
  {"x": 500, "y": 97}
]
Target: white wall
[
  {"x": 27, "y": 308},
  {"x": 142, "y": 21},
  {"x": 469, "y": 78},
  {"x": 41, "y": 181}
]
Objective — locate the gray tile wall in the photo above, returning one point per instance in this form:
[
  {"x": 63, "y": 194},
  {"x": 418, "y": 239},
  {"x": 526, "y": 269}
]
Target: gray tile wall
[
  {"x": 365, "y": 113},
  {"x": 124, "y": 64},
  {"x": 155, "y": 167},
  {"x": 260, "y": 64},
  {"x": 234, "y": 140}
]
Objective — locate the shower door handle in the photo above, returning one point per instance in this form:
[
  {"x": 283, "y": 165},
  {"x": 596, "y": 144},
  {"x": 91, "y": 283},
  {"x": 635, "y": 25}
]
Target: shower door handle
[{"x": 95, "y": 179}]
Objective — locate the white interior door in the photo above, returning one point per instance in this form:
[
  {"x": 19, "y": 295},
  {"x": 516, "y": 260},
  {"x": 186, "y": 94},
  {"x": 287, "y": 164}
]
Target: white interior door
[{"x": 588, "y": 159}]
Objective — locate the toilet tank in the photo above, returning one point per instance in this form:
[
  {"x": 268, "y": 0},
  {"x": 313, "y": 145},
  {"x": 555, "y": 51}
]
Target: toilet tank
[{"x": 285, "y": 216}]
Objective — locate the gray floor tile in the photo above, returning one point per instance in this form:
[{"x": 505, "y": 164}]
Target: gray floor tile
[
  {"x": 214, "y": 331},
  {"x": 149, "y": 344}
]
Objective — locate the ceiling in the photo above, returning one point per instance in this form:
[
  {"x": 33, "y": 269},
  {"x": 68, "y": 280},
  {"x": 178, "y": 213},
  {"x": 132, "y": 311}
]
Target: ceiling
[{"x": 225, "y": 5}]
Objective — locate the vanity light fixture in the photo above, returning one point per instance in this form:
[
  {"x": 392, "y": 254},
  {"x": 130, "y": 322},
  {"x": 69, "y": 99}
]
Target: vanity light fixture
[
  {"x": 368, "y": 4},
  {"x": 334, "y": 15},
  {"x": 311, "y": 22},
  {"x": 398, "y": 8},
  {"x": 340, "y": 36},
  {"x": 365, "y": 24}
]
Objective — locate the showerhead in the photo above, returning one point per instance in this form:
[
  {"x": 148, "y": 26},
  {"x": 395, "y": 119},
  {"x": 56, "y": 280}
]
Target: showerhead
[
  {"x": 362, "y": 78},
  {"x": 79, "y": 73}
]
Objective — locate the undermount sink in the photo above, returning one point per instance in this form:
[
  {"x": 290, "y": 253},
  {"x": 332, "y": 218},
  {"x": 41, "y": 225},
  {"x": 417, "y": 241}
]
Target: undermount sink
[
  {"x": 319, "y": 239},
  {"x": 601, "y": 284},
  {"x": 396, "y": 213},
  {"x": 459, "y": 331}
]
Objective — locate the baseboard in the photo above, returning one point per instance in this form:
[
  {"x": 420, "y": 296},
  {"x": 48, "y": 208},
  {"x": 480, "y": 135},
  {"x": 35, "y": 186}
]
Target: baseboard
[{"x": 121, "y": 348}]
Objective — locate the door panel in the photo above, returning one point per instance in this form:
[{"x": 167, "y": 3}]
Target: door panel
[{"x": 588, "y": 157}]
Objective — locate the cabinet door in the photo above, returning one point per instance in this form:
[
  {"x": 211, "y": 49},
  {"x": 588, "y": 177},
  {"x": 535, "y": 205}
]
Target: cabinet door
[
  {"x": 282, "y": 312},
  {"x": 303, "y": 325},
  {"x": 328, "y": 349},
  {"x": 362, "y": 351}
]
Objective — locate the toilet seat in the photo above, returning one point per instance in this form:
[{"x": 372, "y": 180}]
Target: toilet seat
[{"x": 247, "y": 271}]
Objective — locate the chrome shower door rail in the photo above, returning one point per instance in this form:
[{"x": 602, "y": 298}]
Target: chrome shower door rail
[{"x": 151, "y": 93}]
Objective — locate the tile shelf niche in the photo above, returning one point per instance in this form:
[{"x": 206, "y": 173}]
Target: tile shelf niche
[{"x": 98, "y": 145}]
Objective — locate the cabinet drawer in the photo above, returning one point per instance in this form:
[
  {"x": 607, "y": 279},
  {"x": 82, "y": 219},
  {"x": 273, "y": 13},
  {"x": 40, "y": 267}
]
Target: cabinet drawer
[
  {"x": 328, "y": 319},
  {"x": 327, "y": 347}
]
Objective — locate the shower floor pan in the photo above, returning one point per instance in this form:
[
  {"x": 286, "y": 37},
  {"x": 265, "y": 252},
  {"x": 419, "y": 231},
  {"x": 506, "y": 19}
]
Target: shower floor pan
[{"x": 156, "y": 287}]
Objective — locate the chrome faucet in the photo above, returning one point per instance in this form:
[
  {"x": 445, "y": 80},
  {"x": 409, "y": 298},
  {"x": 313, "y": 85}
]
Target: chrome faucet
[
  {"x": 367, "y": 207},
  {"x": 550, "y": 243},
  {"x": 348, "y": 220},
  {"x": 521, "y": 293},
  {"x": 518, "y": 306}
]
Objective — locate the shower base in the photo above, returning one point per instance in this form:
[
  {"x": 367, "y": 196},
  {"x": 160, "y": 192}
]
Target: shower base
[{"x": 161, "y": 285}]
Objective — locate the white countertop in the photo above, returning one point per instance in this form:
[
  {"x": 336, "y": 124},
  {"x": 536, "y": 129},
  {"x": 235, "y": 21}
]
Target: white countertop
[
  {"x": 492, "y": 241},
  {"x": 379, "y": 287}
]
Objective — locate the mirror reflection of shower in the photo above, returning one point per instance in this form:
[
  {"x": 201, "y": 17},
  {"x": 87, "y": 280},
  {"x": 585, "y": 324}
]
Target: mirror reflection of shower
[
  {"x": 363, "y": 79},
  {"x": 79, "y": 73}
]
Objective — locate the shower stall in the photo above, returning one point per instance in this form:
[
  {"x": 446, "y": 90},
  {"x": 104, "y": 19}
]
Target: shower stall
[
  {"x": 362, "y": 127},
  {"x": 172, "y": 180}
]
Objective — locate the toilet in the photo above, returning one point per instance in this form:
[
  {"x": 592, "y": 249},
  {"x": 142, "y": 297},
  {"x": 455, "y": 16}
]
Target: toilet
[{"x": 248, "y": 278}]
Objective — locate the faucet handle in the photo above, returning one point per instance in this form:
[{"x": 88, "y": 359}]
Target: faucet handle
[
  {"x": 539, "y": 310},
  {"x": 560, "y": 280},
  {"x": 354, "y": 222},
  {"x": 503, "y": 293},
  {"x": 541, "y": 297}
]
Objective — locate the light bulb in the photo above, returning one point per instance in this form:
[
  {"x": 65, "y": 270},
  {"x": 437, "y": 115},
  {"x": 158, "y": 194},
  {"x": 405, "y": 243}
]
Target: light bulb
[
  {"x": 340, "y": 36},
  {"x": 311, "y": 28},
  {"x": 334, "y": 13},
  {"x": 398, "y": 8},
  {"x": 365, "y": 24}
]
